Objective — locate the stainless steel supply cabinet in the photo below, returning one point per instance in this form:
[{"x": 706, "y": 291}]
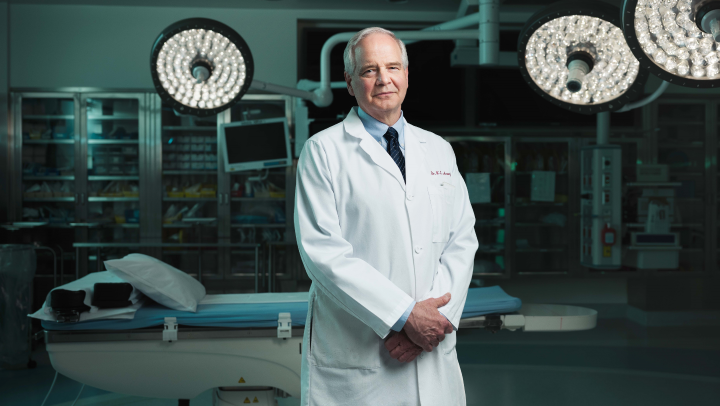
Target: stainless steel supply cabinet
[{"x": 17, "y": 269}]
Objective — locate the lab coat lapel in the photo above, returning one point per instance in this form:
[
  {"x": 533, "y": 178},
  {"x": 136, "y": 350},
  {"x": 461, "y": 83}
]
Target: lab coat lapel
[
  {"x": 415, "y": 167},
  {"x": 354, "y": 127}
]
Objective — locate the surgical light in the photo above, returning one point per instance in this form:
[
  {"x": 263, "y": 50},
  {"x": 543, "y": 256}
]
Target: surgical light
[
  {"x": 200, "y": 66},
  {"x": 574, "y": 55},
  {"x": 677, "y": 40}
]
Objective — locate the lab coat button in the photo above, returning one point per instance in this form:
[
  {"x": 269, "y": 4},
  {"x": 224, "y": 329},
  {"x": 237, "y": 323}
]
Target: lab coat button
[
  {"x": 418, "y": 250},
  {"x": 410, "y": 197}
]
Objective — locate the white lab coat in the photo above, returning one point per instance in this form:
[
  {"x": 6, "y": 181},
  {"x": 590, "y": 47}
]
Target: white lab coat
[{"x": 371, "y": 243}]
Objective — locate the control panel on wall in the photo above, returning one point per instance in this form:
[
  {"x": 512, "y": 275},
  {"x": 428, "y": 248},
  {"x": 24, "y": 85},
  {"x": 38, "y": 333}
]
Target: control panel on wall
[{"x": 601, "y": 219}]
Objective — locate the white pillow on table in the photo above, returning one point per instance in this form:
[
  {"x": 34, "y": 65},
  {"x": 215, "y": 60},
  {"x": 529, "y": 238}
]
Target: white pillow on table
[{"x": 159, "y": 281}]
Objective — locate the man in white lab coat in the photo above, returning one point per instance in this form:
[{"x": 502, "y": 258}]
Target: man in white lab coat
[{"x": 386, "y": 233}]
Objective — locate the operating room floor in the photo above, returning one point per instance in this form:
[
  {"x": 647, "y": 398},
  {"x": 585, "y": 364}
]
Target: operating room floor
[{"x": 618, "y": 363}]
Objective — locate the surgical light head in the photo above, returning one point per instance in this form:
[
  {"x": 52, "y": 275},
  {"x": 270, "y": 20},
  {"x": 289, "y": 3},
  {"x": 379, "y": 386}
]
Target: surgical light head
[
  {"x": 574, "y": 55},
  {"x": 675, "y": 39},
  {"x": 201, "y": 66}
]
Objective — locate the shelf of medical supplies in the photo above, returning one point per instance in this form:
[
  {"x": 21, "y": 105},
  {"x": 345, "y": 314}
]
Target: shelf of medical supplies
[
  {"x": 114, "y": 117},
  {"x": 264, "y": 225},
  {"x": 539, "y": 204},
  {"x": 257, "y": 199},
  {"x": 23, "y": 224},
  {"x": 675, "y": 225},
  {"x": 189, "y": 172},
  {"x": 496, "y": 224},
  {"x": 52, "y": 178},
  {"x": 537, "y": 273},
  {"x": 48, "y": 141},
  {"x": 665, "y": 121},
  {"x": 83, "y": 224},
  {"x": 105, "y": 225},
  {"x": 178, "y": 225},
  {"x": 49, "y": 199},
  {"x": 188, "y": 128},
  {"x": 539, "y": 170},
  {"x": 118, "y": 225},
  {"x": 113, "y": 142},
  {"x": 653, "y": 184},
  {"x": 188, "y": 252},
  {"x": 491, "y": 251},
  {"x": 112, "y": 199},
  {"x": 681, "y": 146},
  {"x": 679, "y": 174},
  {"x": 661, "y": 248},
  {"x": 118, "y": 177},
  {"x": 537, "y": 225},
  {"x": 189, "y": 199},
  {"x": 49, "y": 117},
  {"x": 540, "y": 250},
  {"x": 45, "y": 224},
  {"x": 160, "y": 245},
  {"x": 59, "y": 225}
]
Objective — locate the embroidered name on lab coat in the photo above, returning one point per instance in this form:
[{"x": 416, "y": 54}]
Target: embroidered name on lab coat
[{"x": 439, "y": 173}]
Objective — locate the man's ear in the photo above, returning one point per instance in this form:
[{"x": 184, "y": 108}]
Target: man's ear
[{"x": 348, "y": 81}]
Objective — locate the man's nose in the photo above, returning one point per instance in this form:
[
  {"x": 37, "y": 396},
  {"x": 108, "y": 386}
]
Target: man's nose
[{"x": 383, "y": 77}]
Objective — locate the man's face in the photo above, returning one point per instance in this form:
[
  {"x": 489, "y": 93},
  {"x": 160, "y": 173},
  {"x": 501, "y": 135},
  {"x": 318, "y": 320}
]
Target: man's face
[{"x": 379, "y": 82}]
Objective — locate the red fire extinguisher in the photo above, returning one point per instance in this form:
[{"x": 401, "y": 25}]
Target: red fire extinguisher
[{"x": 609, "y": 236}]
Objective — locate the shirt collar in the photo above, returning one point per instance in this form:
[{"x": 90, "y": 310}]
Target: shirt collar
[{"x": 377, "y": 129}]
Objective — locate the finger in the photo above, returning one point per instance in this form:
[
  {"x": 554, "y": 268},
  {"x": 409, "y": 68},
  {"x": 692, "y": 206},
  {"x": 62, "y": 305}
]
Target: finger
[
  {"x": 405, "y": 356},
  {"x": 449, "y": 328},
  {"x": 403, "y": 347},
  {"x": 443, "y": 300},
  {"x": 421, "y": 341},
  {"x": 396, "y": 352},
  {"x": 410, "y": 355},
  {"x": 393, "y": 341}
]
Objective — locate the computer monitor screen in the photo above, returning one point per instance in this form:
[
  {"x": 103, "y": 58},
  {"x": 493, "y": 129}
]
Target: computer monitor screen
[{"x": 256, "y": 144}]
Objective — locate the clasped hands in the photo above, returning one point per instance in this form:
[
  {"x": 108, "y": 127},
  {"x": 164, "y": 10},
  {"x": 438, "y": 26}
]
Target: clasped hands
[{"x": 424, "y": 329}]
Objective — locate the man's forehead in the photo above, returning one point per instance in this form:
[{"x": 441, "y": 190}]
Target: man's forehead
[{"x": 373, "y": 42}]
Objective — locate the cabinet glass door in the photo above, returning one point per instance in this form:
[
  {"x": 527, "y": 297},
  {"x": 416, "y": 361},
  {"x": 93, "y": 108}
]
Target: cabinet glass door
[
  {"x": 481, "y": 162},
  {"x": 257, "y": 200},
  {"x": 113, "y": 127},
  {"x": 47, "y": 130},
  {"x": 681, "y": 146},
  {"x": 541, "y": 218},
  {"x": 717, "y": 193},
  {"x": 190, "y": 191}
]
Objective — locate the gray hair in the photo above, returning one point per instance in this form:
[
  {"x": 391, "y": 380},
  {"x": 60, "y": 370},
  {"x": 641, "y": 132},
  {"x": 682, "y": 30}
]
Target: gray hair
[{"x": 349, "y": 54}]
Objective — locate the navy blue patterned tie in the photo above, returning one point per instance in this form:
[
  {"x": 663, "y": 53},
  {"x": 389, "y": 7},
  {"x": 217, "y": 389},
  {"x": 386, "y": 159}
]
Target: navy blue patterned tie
[{"x": 393, "y": 148}]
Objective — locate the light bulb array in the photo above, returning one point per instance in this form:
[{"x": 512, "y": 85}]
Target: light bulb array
[
  {"x": 668, "y": 34},
  {"x": 615, "y": 67},
  {"x": 182, "y": 50}
]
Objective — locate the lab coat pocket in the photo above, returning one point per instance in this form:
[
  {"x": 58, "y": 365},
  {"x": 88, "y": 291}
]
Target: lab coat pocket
[{"x": 441, "y": 198}]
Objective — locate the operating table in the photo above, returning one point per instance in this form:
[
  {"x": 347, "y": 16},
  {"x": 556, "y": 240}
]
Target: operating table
[{"x": 246, "y": 353}]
